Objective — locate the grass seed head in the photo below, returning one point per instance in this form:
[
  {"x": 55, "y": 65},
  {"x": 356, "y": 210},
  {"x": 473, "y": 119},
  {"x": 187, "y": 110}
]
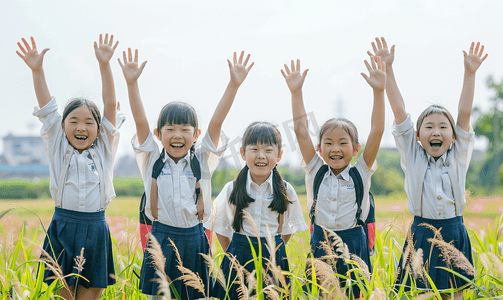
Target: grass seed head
[
  {"x": 80, "y": 261},
  {"x": 452, "y": 256}
]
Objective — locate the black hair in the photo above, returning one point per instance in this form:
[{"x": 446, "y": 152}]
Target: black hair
[
  {"x": 78, "y": 102},
  {"x": 343, "y": 123},
  {"x": 258, "y": 133},
  {"x": 178, "y": 113},
  {"x": 436, "y": 109}
]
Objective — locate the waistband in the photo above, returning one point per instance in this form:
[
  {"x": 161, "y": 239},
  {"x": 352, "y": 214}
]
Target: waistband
[
  {"x": 438, "y": 222},
  {"x": 79, "y": 215},
  {"x": 243, "y": 239},
  {"x": 163, "y": 228},
  {"x": 346, "y": 233}
]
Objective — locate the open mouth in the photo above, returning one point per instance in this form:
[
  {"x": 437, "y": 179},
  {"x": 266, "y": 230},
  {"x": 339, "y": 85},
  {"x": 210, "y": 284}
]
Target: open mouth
[
  {"x": 261, "y": 165},
  {"x": 177, "y": 146},
  {"x": 435, "y": 144},
  {"x": 336, "y": 158},
  {"x": 81, "y": 137}
]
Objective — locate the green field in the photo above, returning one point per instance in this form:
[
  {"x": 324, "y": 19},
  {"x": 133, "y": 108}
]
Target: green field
[{"x": 21, "y": 235}]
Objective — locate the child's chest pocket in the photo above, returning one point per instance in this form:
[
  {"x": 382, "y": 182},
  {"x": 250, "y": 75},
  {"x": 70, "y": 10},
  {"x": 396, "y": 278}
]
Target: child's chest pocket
[
  {"x": 446, "y": 181},
  {"x": 346, "y": 193}
]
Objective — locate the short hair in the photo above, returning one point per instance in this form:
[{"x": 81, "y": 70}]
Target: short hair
[
  {"x": 179, "y": 113},
  {"x": 343, "y": 123},
  {"x": 436, "y": 109}
]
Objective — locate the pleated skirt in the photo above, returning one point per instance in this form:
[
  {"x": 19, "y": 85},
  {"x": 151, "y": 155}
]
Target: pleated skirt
[
  {"x": 452, "y": 231},
  {"x": 241, "y": 250},
  {"x": 357, "y": 244},
  {"x": 189, "y": 242},
  {"x": 72, "y": 232}
]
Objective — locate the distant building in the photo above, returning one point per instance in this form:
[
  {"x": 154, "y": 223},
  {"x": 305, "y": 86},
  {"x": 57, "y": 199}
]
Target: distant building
[{"x": 24, "y": 156}]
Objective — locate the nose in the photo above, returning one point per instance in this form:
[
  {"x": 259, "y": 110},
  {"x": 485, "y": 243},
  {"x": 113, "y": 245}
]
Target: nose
[{"x": 261, "y": 154}]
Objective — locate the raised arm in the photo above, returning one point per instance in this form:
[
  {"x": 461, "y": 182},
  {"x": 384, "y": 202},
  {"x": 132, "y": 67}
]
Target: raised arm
[
  {"x": 104, "y": 52},
  {"x": 394, "y": 96},
  {"x": 295, "y": 81},
  {"x": 377, "y": 80},
  {"x": 473, "y": 60},
  {"x": 35, "y": 60},
  {"x": 131, "y": 73},
  {"x": 238, "y": 71}
]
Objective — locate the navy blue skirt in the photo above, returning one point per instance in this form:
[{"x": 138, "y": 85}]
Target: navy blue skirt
[
  {"x": 70, "y": 232},
  {"x": 452, "y": 230},
  {"x": 357, "y": 244},
  {"x": 190, "y": 242},
  {"x": 240, "y": 248}
]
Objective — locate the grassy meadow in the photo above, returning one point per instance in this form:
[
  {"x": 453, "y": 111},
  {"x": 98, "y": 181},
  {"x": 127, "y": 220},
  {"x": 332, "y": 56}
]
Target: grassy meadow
[{"x": 22, "y": 234}]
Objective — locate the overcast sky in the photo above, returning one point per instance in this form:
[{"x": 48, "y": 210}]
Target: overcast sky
[{"x": 187, "y": 43}]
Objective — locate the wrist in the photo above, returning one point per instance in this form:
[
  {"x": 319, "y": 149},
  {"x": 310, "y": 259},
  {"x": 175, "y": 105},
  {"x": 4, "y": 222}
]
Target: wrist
[
  {"x": 104, "y": 63},
  {"x": 296, "y": 92}
]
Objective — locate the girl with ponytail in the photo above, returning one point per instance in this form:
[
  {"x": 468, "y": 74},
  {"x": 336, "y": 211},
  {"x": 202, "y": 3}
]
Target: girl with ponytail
[{"x": 256, "y": 205}]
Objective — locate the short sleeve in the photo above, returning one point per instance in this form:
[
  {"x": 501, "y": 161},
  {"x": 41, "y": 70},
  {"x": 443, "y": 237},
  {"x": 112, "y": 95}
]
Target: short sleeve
[
  {"x": 311, "y": 169},
  {"x": 222, "y": 212},
  {"x": 294, "y": 218}
]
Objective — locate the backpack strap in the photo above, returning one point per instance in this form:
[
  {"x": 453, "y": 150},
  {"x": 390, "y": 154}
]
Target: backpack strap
[
  {"x": 316, "y": 188},
  {"x": 156, "y": 171},
  {"x": 281, "y": 217},
  {"x": 358, "y": 182},
  {"x": 196, "y": 170}
]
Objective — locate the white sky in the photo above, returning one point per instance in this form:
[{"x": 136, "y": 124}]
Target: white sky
[{"x": 187, "y": 43}]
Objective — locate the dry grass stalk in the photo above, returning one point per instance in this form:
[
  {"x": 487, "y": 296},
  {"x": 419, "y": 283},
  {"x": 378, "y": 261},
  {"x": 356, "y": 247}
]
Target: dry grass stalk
[
  {"x": 408, "y": 252},
  {"x": 52, "y": 265},
  {"x": 188, "y": 277},
  {"x": 276, "y": 272},
  {"x": 436, "y": 232},
  {"x": 80, "y": 261},
  {"x": 324, "y": 276},
  {"x": 417, "y": 266},
  {"x": 424, "y": 296},
  {"x": 498, "y": 264},
  {"x": 452, "y": 256},
  {"x": 247, "y": 217},
  {"x": 271, "y": 293},
  {"x": 362, "y": 265},
  {"x": 214, "y": 269},
  {"x": 377, "y": 294},
  {"x": 163, "y": 287},
  {"x": 484, "y": 259},
  {"x": 158, "y": 259}
]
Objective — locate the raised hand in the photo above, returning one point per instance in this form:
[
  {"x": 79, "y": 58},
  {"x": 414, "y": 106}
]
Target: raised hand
[
  {"x": 238, "y": 69},
  {"x": 130, "y": 67},
  {"x": 380, "y": 48},
  {"x": 474, "y": 59},
  {"x": 30, "y": 55},
  {"x": 377, "y": 73},
  {"x": 105, "y": 50},
  {"x": 293, "y": 78}
]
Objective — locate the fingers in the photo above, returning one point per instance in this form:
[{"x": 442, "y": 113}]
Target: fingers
[
  {"x": 283, "y": 73},
  {"x": 111, "y": 40},
  {"x": 373, "y": 62},
  {"x": 304, "y": 74},
  {"x": 241, "y": 57},
  {"x": 21, "y": 48},
  {"x": 124, "y": 57},
  {"x": 393, "y": 50},
  {"x": 95, "y": 45},
  {"x": 234, "y": 58},
  {"x": 136, "y": 55},
  {"x": 44, "y": 51},
  {"x": 230, "y": 64},
  {"x": 298, "y": 65},
  {"x": 384, "y": 44},
  {"x": 249, "y": 68},
  {"x": 27, "y": 46},
  {"x": 115, "y": 46},
  {"x": 287, "y": 70},
  {"x": 374, "y": 46},
  {"x": 246, "y": 60},
  {"x": 100, "y": 39},
  {"x": 130, "y": 55},
  {"x": 370, "y": 53},
  {"x": 143, "y": 66},
  {"x": 365, "y": 76},
  {"x": 379, "y": 45},
  {"x": 368, "y": 65},
  {"x": 33, "y": 43},
  {"x": 119, "y": 60},
  {"x": 293, "y": 66}
]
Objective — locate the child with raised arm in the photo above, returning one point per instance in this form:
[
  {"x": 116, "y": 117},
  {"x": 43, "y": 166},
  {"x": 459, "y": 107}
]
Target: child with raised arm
[
  {"x": 177, "y": 178},
  {"x": 334, "y": 207},
  {"x": 81, "y": 147},
  {"x": 435, "y": 162},
  {"x": 271, "y": 205}
]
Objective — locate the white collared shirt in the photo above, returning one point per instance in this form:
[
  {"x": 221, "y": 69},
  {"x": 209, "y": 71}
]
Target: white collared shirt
[
  {"x": 336, "y": 206},
  {"x": 265, "y": 219},
  {"x": 176, "y": 183},
  {"x": 436, "y": 190},
  {"x": 82, "y": 187}
]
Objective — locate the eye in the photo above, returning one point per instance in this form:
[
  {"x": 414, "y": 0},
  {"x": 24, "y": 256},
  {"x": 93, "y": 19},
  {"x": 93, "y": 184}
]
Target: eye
[{"x": 328, "y": 143}]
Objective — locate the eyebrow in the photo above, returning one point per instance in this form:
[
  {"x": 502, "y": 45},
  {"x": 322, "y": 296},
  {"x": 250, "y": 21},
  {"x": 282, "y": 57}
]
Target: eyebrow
[
  {"x": 434, "y": 123},
  {"x": 76, "y": 118}
]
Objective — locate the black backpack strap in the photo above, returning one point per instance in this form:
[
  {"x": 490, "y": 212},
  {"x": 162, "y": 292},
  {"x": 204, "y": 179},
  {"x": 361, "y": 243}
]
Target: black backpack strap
[
  {"x": 316, "y": 188},
  {"x": 156, "y": 171},
  {"x": 358, "y": 182},
  {"x": 196, "y": 170}
]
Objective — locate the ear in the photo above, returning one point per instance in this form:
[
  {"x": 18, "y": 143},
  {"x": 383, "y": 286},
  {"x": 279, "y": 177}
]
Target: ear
[
  {"x": 280, "y": 155},
  {"x": 417, "y": 137},
  {"x": 318, "y": 148},
  {"x": 242, "y": 151},
  {"x": 196, "y": 135},
  {"x": 356, "y": 150},
  {"x": 157, "y": 134}
]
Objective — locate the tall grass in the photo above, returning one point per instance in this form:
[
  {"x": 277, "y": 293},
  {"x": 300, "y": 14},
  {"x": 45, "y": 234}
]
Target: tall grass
[{"x": 21, "y": 269}]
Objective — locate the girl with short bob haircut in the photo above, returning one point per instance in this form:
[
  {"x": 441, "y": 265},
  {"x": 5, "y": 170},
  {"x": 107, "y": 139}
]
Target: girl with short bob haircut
[
  {"x": 81, "y": 146},
  {"x": 178, "y": 202},
  {"x": 334, "y": 207},
  {"x": 255, "y": 206},
  {"x": 435, "y": 174}
]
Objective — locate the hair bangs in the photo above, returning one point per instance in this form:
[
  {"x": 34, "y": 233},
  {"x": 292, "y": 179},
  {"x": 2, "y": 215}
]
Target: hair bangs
[
  {"x": 177, "y": 113},
  {"x": 262, "y": 133}
]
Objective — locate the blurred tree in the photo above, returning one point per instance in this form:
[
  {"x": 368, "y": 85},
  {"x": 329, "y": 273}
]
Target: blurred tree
[{"x": 489, "y": 125}]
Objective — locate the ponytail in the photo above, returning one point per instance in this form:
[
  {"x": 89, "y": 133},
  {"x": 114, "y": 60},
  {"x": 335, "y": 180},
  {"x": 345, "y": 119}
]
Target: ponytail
[
  {"x": 240, "y": 198},
  {"x": 280, "y": 200}
]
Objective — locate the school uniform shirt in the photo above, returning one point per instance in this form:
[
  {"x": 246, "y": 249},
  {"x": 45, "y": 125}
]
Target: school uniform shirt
[
  {"x": 265, "y": 219},
  {"x": 82, "y": 186},
  {"x": 436, "y": 190},
  {"x": 336, "y": 206},
  {"x": 176, "y": 183}
]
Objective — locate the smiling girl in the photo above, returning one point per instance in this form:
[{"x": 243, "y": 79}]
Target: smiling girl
[
  {"x": 435, "y": 174},
  {"x": 81, "y": 148},
  {"x": 271, "y": 203},
  {"x": 179, "y": 202},
  {"x": 334, "y": 208}
]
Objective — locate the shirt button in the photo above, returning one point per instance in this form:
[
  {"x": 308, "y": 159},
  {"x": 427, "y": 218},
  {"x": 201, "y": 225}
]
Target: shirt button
[
  {"x": 439, "y": 197},
  {"x": 447, "y": 164},
  {"x": 439, "y": 214},
  {"x": 81, "y": 204},
  {"x": 82, "y": 187}
]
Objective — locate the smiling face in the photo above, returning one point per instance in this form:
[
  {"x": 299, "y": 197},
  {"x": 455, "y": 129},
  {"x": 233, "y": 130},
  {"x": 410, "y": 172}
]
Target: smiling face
[
  {"x": 436, "y": 134},
  {"x": 261, "y": 159},
  {"x": 337, "y": 149},
  {"x": 80, "y": 128},
  {"x": 177, "y": 139}
]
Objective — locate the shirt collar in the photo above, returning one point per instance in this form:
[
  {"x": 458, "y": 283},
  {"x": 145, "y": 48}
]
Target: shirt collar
[
  {"x": 186, "y": 158},
  {"x": 342, "y": 175},
  {"x": 441, "y": 160},
  {"x": 249, "y": 181}
]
